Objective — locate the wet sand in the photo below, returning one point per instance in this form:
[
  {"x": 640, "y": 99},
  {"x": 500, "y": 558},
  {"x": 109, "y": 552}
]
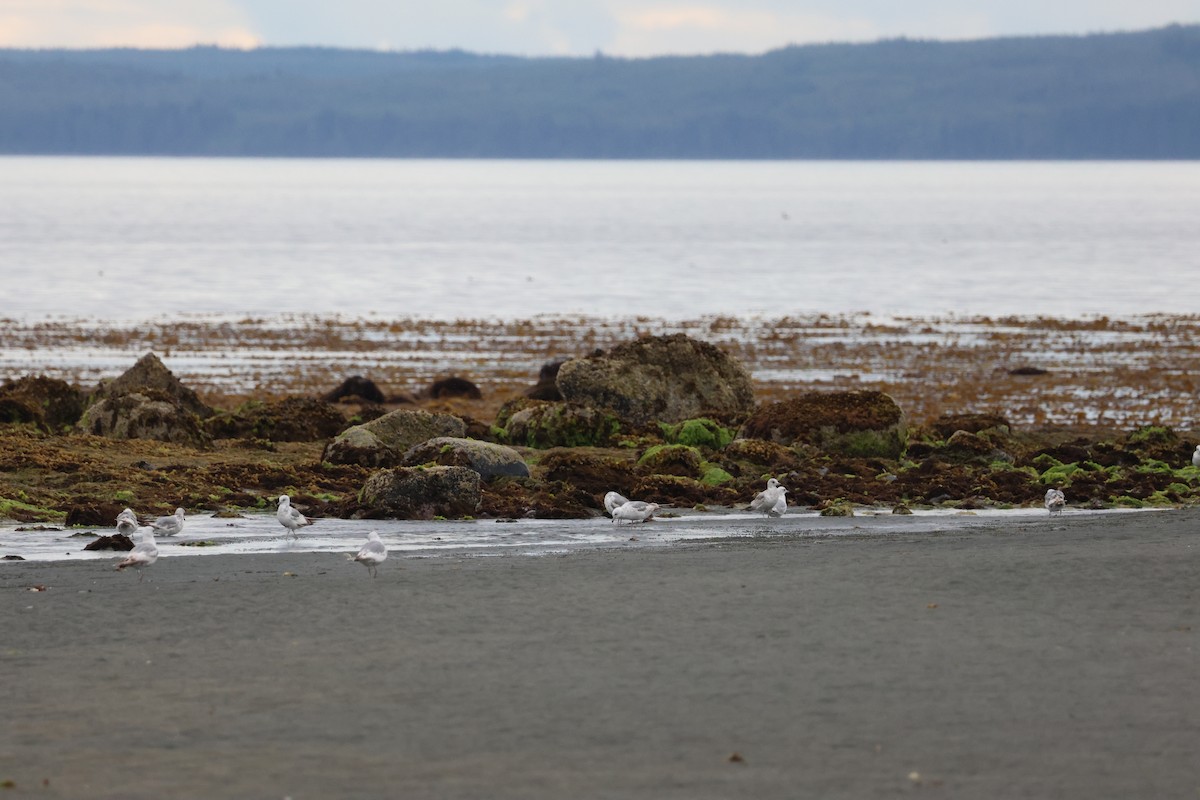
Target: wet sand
[{"x": 1040, "y": 659}]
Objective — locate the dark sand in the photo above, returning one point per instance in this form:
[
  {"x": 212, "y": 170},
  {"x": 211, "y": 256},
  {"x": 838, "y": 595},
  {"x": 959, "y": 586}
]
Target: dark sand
[{"x": 1061, "y": 660}]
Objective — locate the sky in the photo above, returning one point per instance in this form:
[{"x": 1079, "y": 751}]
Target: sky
[{"x": 560, "y": 27}]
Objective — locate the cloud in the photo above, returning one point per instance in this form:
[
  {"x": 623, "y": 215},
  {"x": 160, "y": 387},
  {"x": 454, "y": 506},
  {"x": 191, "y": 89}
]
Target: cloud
[{"x": 123, "y": 23}]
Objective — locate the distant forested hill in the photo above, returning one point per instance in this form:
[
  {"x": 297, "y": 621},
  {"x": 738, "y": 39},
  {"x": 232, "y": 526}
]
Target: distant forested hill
[{"x": 1131, "y": 95}]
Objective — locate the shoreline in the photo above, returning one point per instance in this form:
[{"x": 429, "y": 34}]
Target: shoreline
[{"x": 989, "y": 663}]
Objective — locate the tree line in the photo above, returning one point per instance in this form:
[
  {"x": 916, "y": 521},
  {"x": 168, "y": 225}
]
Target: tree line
[{"x": 1126, "y": 95}]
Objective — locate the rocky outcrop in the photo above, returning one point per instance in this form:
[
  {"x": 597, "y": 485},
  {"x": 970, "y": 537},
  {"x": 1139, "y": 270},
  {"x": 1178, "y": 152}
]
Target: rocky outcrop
[
  {"x": 382, "y": 442},
  {"x": 46, "y": 402},
  {"x": 293, "y": 419},
  {"x": 147, "y": 414},
  {"x": 489, "y": 460},
  {"x": 660, "y": 378},
  {"x": 149, "y": 373},
  {"x": 853, "y": 423},
  {"x": 421, "y": 493}
]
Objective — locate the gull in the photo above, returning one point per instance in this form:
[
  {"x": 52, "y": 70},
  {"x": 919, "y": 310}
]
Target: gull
[
  {"x": 289, "y": 517},
  {"x": 143, "y": 554},
  {"x": 127, "y": 523},
  {"x": 613, "y": 501},
  {"x": 169, "y": 526},
  {"x": 372, "y": 554},
  {"x": 1055, "y": 500},
  {"x": 1196, "y": 457},
  {"x": 771, "y": 501},
  {"x": 634, "y": 511}
]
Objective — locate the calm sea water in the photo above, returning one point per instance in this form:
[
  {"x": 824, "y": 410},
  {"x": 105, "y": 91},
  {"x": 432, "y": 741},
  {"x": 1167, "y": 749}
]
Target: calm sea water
[{"x": 133, "y": 238}]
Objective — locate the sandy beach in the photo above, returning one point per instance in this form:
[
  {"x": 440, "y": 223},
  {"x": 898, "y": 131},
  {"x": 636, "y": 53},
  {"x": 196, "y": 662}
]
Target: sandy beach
[{"x": 1030, "y": 659}]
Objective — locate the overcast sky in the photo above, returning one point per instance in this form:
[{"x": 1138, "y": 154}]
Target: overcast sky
[{"x": 559, "y": 27}]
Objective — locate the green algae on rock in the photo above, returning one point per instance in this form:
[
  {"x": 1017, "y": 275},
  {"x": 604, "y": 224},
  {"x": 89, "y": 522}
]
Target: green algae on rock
[
  {"x": 699, "y": 432},
  {"x": 541, "y": 424}
]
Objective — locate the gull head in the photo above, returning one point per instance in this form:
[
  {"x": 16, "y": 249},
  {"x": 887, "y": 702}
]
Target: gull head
[
  {"x": 284, "y": 500},
  {"x": 772, "y": 484}
]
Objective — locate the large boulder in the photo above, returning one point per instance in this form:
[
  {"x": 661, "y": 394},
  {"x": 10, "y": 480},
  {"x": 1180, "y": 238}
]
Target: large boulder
[
  {"x": 149, "y": 373},
  {"x": 46, "y": 402},
  {"x": 383, "y": 441},
  {"x": 660, "y": 378},
  {"x": 853, "y": 423},
  {"x": 149, "y": 414},
  {"x": 421, "y": 493},
  {"x": 489, "y": 460}
]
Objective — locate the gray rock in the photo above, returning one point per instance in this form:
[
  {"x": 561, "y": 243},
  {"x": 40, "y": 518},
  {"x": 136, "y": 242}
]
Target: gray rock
[
  {"x": 421, "y": 493},
  {"x": 489, "y": 460},
  {"x": 150, "y": 414},
  {"x": 659, "y": 378},
  {"x": 382, "y": 442}
]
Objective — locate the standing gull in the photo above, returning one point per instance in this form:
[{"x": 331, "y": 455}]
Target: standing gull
[
  {"x": 771, "y": 501},
  {"x": 143, "y": 554},
  {"x": 127, "y": 523},
  {"x": 169, "y": 526},
  {"x": 372, "y": 554},
  {"x": 1055, "y": 500},
  {"x": 289, "y": 517},
  {"x": 1196, "y": 457}
]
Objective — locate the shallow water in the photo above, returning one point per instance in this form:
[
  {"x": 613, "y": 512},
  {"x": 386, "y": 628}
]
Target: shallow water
[{"x": 261, "y": 533}]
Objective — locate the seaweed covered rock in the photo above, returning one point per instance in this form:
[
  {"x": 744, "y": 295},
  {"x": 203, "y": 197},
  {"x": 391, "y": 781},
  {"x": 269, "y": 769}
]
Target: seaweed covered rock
[
  {"x": 421, "y": 493},
  {"x": 660, "y": 378},
  {"x": 149, "y": 373},
  {"x": 671, "y": 459},
  {"x": 543, "y": 425},
  {"x": 760, "y": 453},
  {"x": 453, "y": 386},
  {"x": 593, "y": 472},
  {"x": 148, "y": 414},
  {"x": 963, "y": 447},
  {"x": 489, "y": 460},
  {"x": 293, "y": 419},
  {"x": 356, "y": 388},
  {"x": 1158, "y": 443},
  {"x": 546, "y": 387},
  {"x": 46, "y": 402},
  {"x": 947, "y": 425},
  {"x": 382, "y": 442},
  {"x": 117, "y": 541},
  {"x": 677, "y": 490},
  {"x": 854, "y": 423}
]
